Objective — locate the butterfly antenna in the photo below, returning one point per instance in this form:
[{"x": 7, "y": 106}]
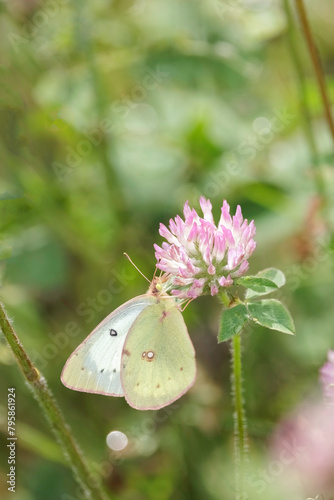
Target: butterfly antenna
[
  {"x": 134, "y": 265},
  {"x": 155, "y": 272}
]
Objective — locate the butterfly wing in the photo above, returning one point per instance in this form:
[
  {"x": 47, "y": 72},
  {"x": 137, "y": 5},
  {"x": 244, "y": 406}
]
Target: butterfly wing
[
  {"x": 95, "y": 364},
  {"x": 158, "y": 361}
]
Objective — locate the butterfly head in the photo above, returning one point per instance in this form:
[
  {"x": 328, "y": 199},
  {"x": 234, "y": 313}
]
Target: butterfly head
[{"x": 158, "y": 286}]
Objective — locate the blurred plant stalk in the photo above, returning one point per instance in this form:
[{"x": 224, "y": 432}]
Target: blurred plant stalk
[
  {"x": 316, "y": 64},
  {"x": 37, "y": 383},
  {"x": 303, "y": 101}
]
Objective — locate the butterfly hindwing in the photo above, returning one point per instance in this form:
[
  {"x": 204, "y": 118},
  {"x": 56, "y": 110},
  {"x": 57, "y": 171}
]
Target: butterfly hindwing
[
  {"x": 158, "y": 361},
  {"x": 95, "y": 365}
]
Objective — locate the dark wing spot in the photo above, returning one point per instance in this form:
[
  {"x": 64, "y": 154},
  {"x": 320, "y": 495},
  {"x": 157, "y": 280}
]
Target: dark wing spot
[
  {"x": 114, "y": 370},
  {"x": 76, "y": 354},
  {"x": 169, "y": 378},
  {"x": 181, "y": 368},
  {"x": 158, "y": 386},
  {"x": 163, "y": 316},
  {"x": 137, "y": 384},
  {"x": 102, "y": 370},
  {"x": 82, "y": 368},
  {"x": 128, "y": 353},
  {"x": 113, "y": 332}
]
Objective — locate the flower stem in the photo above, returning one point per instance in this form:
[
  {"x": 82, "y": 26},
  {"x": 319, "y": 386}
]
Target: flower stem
[
  {"x": 42, "y": 393},
  {"x": 240, "y": 422},
  {"x": 316, "y": 63}
]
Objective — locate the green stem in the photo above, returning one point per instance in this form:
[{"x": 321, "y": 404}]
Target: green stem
[
  {"x": 225, "y": 298},
  {"x": 42, "y": 393},
  {"x": 316, "y": 64},
  {"x": 240, "y": 422},
  {"x": 304, "y": 105}
]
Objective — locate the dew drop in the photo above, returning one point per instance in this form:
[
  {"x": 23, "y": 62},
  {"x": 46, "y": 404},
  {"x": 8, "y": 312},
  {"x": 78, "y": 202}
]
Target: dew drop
[{"x": 117, "y": 440}]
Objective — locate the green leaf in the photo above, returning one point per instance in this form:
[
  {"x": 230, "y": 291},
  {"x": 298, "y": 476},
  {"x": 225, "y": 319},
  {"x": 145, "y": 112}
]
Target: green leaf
[
  {"x": 272, "y": 314},
  {"x": 274, "y": 275},
  {"x": 259, "y": 285},
  {"x": 232, "y": 322}
]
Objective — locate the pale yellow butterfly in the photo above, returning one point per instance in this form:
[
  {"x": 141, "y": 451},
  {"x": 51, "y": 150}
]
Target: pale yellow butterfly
[{"x": 142, "y": 351}]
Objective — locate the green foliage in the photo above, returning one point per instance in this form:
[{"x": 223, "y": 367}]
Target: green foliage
[
  {"x": 269, "y": 313},
  {"x": 145, "y": 104},
  {"x": 273, "y": 275},
  {"x": 272, "y": 314},
  {"x": 232, "y": 322},
  {"x": 261, "y": 286}
]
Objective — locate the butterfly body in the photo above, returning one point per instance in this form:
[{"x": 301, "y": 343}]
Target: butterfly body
[{"x": 141, "y": 350}]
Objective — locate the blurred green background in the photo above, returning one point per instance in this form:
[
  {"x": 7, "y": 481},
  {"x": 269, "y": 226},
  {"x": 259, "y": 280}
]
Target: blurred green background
[{"x": 113, "y": 114}]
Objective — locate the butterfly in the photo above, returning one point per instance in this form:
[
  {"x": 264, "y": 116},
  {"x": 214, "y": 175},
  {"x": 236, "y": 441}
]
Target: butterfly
[{"x": 142, "y": 351}]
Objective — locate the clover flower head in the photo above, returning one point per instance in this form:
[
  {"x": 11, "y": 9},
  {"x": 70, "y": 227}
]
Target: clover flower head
[
  {"x": 200, "y": 257},
  {"x": 327, "y": 378}
]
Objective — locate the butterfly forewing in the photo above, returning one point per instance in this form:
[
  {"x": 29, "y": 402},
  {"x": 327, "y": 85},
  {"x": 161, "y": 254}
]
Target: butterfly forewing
[
  {"x": 158, "y": 362},
  {"x": 95, "y": 365}
]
